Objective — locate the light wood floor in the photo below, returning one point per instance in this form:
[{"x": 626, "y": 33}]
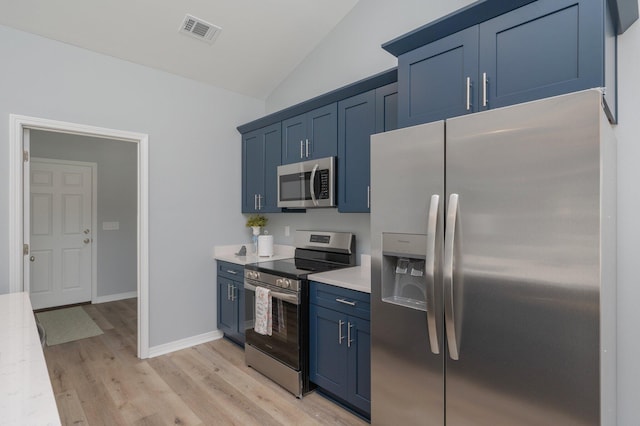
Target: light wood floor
[{"x": 99, "y": 381}]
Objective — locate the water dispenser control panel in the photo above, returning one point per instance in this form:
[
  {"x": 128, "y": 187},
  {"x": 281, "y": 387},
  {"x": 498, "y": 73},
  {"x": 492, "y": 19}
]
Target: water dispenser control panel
[{"x": 403, "y": 275}]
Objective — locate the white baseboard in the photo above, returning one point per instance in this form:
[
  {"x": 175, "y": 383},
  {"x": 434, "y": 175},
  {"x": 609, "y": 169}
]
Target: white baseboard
[
  {"x": 184, "y": 343},
  {"x": 114, "y": 297}
]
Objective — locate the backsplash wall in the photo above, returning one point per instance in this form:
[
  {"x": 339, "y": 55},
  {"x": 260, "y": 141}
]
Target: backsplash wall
[{"x": 328, "y": 219}]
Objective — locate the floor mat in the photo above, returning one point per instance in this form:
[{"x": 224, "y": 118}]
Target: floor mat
[{"x": 67, "y": 325}]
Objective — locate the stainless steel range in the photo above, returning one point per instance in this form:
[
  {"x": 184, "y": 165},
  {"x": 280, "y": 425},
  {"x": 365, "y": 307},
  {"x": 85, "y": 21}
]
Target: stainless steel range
[{"x": 282, "y": 353}]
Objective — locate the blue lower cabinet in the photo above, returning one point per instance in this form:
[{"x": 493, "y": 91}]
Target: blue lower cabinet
[
  {"x": 340, "y": 345},
  {"x": 231, "y": 301},
  {"x": 328, "y": 351}
]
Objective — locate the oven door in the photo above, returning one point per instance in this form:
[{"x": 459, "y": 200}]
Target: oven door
[{"x": 284, "y": 342}]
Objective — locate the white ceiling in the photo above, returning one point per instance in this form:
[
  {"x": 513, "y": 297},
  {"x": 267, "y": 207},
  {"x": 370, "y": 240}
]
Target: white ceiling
[{"x": 261, "y": 41}]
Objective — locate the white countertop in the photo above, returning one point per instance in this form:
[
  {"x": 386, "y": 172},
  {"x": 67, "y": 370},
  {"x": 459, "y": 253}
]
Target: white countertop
[
  {"x": 356, "y": 278},
  {"x": 228, "y": 254},
  {"x": 26, "y": 396}
]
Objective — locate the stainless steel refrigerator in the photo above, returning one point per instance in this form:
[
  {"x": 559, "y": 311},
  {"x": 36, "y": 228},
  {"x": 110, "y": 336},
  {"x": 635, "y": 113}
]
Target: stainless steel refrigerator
[{"x": 493, "y": 268}]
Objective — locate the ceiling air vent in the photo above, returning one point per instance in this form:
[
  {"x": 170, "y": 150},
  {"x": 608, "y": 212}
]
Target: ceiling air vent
[{"x": 200, "y": 29}]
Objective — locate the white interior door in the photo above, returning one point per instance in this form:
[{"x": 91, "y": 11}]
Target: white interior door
[{"x": 60, "y": 233}]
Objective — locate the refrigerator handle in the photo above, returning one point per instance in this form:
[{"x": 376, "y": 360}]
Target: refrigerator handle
[
  {"x": 449, "y": 247},
  {"x": 430, "y": 270}
]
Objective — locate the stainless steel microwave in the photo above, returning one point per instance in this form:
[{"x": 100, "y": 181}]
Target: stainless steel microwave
[{"x": 307, "y": 184}]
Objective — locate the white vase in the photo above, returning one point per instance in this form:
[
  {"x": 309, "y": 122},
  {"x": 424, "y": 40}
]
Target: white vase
[{"x": 256, "y": 230}]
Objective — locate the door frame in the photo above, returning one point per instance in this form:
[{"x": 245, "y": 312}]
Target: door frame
[
  {"x": 94, "y": 217},
  {"x": 17, "y": 125}
]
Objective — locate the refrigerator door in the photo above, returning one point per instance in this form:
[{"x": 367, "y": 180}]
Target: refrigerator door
[
  {"x": 407, "y": 207},
  {"x": 522, "y": 265}
]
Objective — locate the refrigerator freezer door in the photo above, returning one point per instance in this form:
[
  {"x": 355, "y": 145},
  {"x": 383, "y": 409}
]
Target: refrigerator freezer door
[
  {"x": 407, "y": 169},
  {"x": 526, "y": 275}
]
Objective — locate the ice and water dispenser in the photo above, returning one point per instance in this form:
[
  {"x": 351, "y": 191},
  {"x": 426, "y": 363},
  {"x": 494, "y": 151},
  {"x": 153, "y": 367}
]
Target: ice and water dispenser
[{"x": 403, "y": 270}]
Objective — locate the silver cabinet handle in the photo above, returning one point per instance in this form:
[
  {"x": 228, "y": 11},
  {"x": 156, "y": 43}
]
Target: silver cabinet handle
[
  {"x": 255, "y": 201},
  {"x": 228, "y": 291},
  {"x": 349, "y": 341},
  {"x": 259, "y": 202},
  {"x": 368, "y": 196},
  {"x": 468, "y": 93},
  {"x": 430, "y": 272},
  {"x": 311, "y": 185},
  {"x": 307, "y": 143},
  {"x": 233, "y": 293},
  {"x": 346, "y": 302},
  {"x": 229, "y": 271},
  {"x": 485, "y": 82},
  {"x": 449, "y": 247},
  {"x": 340, "y": 336},
  {"x": 301, "y": 149}
]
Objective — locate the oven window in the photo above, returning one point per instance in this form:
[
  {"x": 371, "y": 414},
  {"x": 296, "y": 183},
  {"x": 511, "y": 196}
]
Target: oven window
[
  {"x": 295, "y": 187},
  {"x": 284, "y": 342}
]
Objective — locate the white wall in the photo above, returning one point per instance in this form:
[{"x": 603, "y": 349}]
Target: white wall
[
  {"x": 117, "y": 199},
  {"x": 194, "y": 153},
  {"x": 352, "y": 52}
]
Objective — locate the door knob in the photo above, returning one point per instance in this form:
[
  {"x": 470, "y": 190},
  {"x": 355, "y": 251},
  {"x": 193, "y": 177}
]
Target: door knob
[
  {"x": 86, "y": 240},
  {"x": 32, "y": 258},
  {"x": 86, "y": 231}
]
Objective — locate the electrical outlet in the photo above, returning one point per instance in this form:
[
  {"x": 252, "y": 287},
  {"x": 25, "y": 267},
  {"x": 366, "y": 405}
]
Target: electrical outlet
[{"x": 287, "y": 231}]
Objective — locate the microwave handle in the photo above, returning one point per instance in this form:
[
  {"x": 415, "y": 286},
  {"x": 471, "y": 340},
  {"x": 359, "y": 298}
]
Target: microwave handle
[{"x": 312, "y": 185}]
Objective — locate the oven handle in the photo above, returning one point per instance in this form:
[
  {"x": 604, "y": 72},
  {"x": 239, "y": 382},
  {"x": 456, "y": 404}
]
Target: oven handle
[{"x": 286, "y": 297}]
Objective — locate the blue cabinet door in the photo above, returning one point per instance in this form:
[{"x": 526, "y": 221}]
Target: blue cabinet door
[
  {"x": 328, "y": 350},
  {"x": 272, "y": 137},
  {"x": 322, "y": 129},
  {"x": 227, "y": 309},
  {"x": 261, "y": 155},
  {"x": 387, "y": 108},
  {"x": 294, "y": 137},
  {"x": 434, "y": 80},
  {"x": 310, "y": 135},
  {"x": 356, "y": 123},
  {"x": 359, "y": 364},
  {"x": 252, "y": 170},
  {"x": 546, "y": 48}
]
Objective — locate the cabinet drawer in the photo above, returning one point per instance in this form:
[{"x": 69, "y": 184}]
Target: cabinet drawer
[
  {"x": 231, "y": 270},
  {"x": 344, "y": 300}
]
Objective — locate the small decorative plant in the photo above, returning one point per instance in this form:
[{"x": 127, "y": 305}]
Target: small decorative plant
[{"x": 257, "y": 220}]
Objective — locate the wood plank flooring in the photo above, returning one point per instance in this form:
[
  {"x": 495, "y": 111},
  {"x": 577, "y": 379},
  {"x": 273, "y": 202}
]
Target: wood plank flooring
[{"x": 100, "y": 381}]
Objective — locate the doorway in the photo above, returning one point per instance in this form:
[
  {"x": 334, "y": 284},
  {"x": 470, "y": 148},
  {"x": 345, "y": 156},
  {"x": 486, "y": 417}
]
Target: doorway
[{"x": 19, "y": 178}]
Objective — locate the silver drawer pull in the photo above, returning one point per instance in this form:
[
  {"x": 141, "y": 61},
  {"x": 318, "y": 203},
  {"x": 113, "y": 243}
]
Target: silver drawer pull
[
  {"x": 346, "y": 302},
  {"x": 229, "y": 271}
]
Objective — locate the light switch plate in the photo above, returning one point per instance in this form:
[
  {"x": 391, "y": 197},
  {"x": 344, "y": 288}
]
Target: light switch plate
[{"x": 110, "y": 226}]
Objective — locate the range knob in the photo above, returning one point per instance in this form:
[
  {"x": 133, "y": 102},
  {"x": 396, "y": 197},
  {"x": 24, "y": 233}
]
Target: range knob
[
  {"x": 286, "y": 283},
  {"x": 279, "y": 282}
]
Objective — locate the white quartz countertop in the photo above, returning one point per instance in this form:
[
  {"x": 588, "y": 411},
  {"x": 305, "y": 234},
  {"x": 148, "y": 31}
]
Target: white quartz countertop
[
  {"x": 356, "y": 278},
  {"x": 228, "y": 254},
  {"x": 26, "y": 396}
]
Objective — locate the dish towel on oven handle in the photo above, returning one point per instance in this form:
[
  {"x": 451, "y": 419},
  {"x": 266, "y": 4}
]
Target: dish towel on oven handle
[{"x": 263, "y": 311}]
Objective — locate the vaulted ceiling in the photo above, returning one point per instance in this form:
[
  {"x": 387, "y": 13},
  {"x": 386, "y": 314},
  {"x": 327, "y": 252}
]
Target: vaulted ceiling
[{"x": 261, "y": 41}]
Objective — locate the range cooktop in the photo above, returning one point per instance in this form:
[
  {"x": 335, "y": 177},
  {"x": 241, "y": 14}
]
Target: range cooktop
[{"x": 294, "y": 268}]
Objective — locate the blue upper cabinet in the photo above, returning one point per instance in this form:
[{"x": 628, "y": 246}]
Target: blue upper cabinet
[
  {"x": 494, "y": 53},
  {"x": 437, "y": 81},
  {"x": 358, "y": 118},
  {"x": 356, "y": 123},
  {"x": 261, "y": 154},
  {"x": 387, "y": 108},
  {"x": 310, "y": 135},
  {"x": 545, "y": 48}
]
